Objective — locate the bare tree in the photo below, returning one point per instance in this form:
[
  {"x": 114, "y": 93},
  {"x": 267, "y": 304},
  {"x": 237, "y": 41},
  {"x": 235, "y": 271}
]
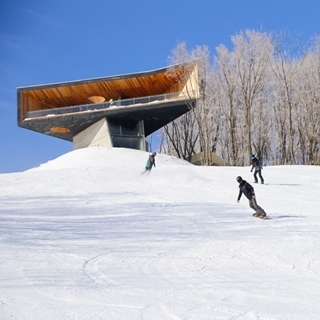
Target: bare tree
[
  {"x": 198, "y": 123},
  {"x": 225, "y": 89},
  {"x": 180, "y": 137},
  {"x": 285, "y": 68},
  {"x": 308, "y": 109},
  {"x": 260, "y": 97},
  {"x": 205, "y": 112},
  {"x": 262, "y": 137},
  {"x": 252, "y": 50}
]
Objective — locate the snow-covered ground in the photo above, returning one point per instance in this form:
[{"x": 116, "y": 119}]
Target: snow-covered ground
[{"x": 86, "y": 236}]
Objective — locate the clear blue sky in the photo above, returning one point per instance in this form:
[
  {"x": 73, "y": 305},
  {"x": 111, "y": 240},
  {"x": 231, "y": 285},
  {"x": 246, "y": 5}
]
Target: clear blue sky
[{"x": 43, "y": 41}]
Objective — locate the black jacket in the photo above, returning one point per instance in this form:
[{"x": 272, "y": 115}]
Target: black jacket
[
  {"x": 256, "y": 165},
  {"x": 247, "y": 189}
]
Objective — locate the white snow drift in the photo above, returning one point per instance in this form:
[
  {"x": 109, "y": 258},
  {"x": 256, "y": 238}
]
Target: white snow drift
[{"x": 86, "y": 236}]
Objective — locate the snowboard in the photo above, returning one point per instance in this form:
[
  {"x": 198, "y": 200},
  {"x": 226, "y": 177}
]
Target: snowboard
[{"x": 262, "y": 218}]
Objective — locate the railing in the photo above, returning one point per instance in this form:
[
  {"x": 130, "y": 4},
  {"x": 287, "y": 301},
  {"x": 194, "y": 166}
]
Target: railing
[{"x": 101, "y": 106}]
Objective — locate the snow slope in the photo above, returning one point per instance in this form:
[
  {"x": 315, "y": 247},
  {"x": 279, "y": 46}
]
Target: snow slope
[{"x": 87, "y": 236}]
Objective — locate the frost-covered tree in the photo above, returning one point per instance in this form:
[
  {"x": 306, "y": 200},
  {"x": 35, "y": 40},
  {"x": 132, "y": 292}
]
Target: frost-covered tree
[{"x": 260, "y": 96}]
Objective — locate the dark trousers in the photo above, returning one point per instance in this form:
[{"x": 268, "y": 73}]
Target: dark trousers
[
  {"x": 254, "y": 205},
  {"x": 260, "y": 176}
]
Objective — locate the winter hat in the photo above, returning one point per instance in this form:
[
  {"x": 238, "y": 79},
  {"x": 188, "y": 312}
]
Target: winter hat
[{"x": 239, "y": 179}]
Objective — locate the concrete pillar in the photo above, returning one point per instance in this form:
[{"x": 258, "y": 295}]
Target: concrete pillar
[{"x": 96, "y": 135}]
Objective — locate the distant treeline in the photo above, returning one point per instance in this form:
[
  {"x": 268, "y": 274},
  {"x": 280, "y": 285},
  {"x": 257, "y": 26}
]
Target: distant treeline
[{"x": 261, "y": 97}]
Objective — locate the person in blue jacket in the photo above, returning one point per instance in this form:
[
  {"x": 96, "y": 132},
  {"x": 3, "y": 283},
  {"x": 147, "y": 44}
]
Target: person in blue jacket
[
  {"x": 247, "y": 189},
  {"x": 257, "y": 167},
  {"x": 151, "y": 162}
]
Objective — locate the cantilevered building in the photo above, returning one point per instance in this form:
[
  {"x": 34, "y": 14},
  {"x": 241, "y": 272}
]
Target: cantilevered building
[{"x": 116, "y": 111}]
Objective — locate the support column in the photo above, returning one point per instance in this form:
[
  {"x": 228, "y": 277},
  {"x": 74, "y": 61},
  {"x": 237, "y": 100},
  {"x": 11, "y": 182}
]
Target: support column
[{"x": 96, "y": 135}]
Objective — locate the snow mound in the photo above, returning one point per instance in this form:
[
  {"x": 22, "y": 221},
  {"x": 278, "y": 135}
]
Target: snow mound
[{"x": 111, "y": 157}]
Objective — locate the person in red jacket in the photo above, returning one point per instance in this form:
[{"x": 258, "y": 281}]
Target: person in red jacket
[{"x": 247, "y": 189}]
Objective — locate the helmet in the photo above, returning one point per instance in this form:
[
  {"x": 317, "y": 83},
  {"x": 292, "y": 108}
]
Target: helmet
[
  {"x": 239, "y": 179},
  {"x": 154, "y": 153}
]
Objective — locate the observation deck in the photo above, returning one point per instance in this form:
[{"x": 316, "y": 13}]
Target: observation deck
[{"x": 115, "y": 111}]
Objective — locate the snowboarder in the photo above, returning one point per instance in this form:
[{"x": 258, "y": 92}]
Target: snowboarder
[
  {"x": 247, "y": 189},
  {"x": 256, "y": 165},
  {"x": 151, "y": 162}
]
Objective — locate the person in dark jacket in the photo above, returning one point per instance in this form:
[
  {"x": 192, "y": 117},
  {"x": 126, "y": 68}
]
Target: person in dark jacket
[
  {"x": 256, "y": 165},
  {"x": 151, "y": 162},
  {"x": 247, "y": 189}
]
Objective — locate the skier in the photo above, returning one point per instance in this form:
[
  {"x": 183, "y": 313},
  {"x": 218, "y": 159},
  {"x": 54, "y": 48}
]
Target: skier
[
  {"x": 256, "y": 165},
  {"x": 151, "y": 162},
  {"x": 247, "y": 189}
]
